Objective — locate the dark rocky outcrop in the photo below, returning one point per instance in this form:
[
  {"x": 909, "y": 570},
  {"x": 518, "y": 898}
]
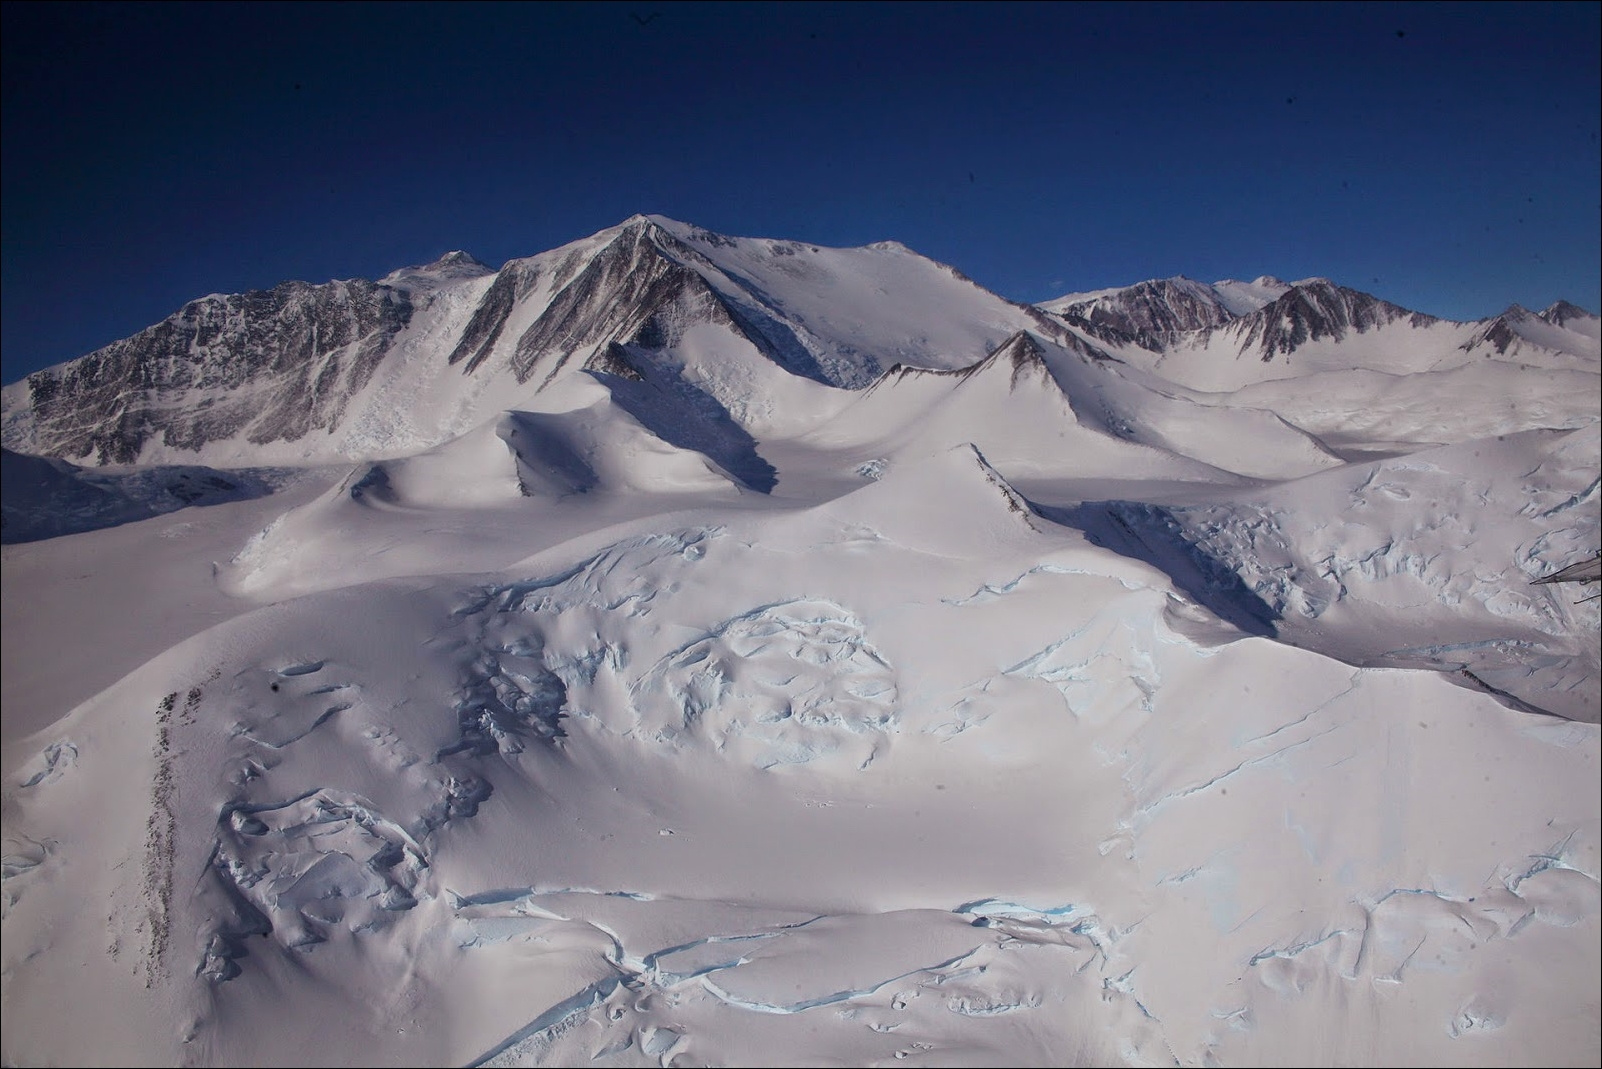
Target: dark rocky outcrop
[
  {"x": 273, "y": 365},
  {"x": 1314, "y": 310}
]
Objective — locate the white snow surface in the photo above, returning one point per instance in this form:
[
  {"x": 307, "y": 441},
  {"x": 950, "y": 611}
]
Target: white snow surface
[{"x": 1033, "y": 703}]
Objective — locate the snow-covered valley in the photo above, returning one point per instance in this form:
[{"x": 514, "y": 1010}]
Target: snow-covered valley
[{"x": 677, "y": 649}]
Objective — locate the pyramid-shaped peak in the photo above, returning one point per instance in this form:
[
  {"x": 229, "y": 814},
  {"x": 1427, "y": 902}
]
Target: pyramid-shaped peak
[
  {"x": 636, "y": 224},
  {"x": 454, "y": 265},
  {"x": 643, "y": 220},
  {"x": 1315, "y": 308},
  {"x": 1022, "y": 356},
  {"x": 641, "y": 225},
  {"x": 1019, "y": 343},
  {"x": 1020, "y": 351},
  {"x": 458, "y": 258},
  {"x": 665, "y": 222},
  {"x": 681, "y": 230},
  {"x": 1561, "y": 312},
  {"x": 1151, "y": 309},
  {"x": 949, "y": 501}
]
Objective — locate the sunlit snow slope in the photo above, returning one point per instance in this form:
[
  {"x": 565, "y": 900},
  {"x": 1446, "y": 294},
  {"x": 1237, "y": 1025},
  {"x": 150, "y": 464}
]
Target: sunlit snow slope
[{"x": 677, "y": 649}]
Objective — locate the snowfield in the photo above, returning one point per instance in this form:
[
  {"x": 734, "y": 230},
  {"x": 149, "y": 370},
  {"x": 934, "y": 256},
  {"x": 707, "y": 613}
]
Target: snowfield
[{"x": 691, "y": 650}]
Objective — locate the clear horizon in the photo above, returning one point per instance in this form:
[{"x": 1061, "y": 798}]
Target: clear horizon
[{"x": 1443, "y": 157}]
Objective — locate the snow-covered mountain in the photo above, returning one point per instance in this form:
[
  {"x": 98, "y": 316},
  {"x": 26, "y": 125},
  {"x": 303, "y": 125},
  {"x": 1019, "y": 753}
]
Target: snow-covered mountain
[
  {"x": 726, "y": 328},
  {"x": 1231, "y": 335},
  {"x": 1167, "y": 306},
  {"x": 308, "y": 373},
  {"x": 676, "y": 648}
]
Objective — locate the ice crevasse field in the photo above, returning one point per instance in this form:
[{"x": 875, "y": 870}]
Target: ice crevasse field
[{"x": 679, "y": 649}]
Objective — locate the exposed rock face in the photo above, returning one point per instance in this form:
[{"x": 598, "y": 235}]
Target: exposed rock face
[
  {"x": 1313, "y": 310},
  {"x": 489, "y": 319},
  {"x": 1162, "y": 313},
  {"x": 1520, "y": 324},
  {"x": 1020, "y": 355},
  {"x": 616, "y": 297},
  {"x": 1501, "y": 332},
  {"x": 1152, "y": 311},
  {"x": 642, "y": 289},
  {"x": 1561, "y": 312},
  {"x": 275, "y": 365},
  {"x": 282, "y": 365}
]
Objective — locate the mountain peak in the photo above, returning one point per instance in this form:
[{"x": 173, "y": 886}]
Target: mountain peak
[
  {"x": 457, "y": 258},
  {"x": 1311, "y": 309},
  {"x": 454, "y": 265},
  {"x": 688, "y": 232},
  {"x": 1149, "y": 310},
  {"x": 1560, "y": 312},
  {"x": 1518, "y": 325}
]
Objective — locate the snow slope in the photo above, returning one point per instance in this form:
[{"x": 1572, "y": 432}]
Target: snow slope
[
  {"x": 353, "y": 369},
  {"x": 698, "y": 650},
  {"x": 46, "y": 498}
]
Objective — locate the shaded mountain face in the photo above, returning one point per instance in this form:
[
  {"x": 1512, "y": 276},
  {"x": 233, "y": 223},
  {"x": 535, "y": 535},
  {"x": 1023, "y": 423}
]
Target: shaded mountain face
[
  {"x": 266, "y": 366},
  {"x": 1229, "y": 336},
  {"x": 1267, "y": 317},
  {"x": 695, "y": 333},
  {"x": 1148, "y": 310},
  {"x": 45, "y": 498},
  {"x": 300, "y": 364},
  {"x": 1519, "y": 324},
  {"x": 1313, "y": 310}
]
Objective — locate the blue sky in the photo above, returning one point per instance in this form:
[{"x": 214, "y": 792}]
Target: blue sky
[{"x": 1442, "y": 156}]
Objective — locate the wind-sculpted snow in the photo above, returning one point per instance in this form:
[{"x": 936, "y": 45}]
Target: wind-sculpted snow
[
  {"x": 657, "y": 681},
  {"x": 941, "y": 985},
  {"x": 688, "y": 417},
  {"x": 316, "y": 862},
  {"x": 618, "y": 578},
  {"x": 780, "y": 684},
  {"x": 1320, "y": 562},
  {"x": 595, "y": 809},
  {"x": 785, "y": 683}
]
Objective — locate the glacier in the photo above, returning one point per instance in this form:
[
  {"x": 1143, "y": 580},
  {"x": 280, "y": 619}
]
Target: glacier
[{"x": 685, "y": 649}]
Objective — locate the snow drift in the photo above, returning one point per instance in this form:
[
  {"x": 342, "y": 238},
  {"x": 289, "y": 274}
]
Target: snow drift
[{"x": 684, "y": 649}]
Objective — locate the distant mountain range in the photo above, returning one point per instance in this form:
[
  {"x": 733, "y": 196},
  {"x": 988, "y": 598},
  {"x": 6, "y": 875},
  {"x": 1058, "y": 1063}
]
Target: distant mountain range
[{"x": 689, "y": 327}]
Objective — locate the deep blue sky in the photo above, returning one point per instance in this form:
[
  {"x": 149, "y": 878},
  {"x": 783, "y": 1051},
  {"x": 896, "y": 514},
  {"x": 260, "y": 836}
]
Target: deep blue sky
[{"x": 1442, "y": 156}]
